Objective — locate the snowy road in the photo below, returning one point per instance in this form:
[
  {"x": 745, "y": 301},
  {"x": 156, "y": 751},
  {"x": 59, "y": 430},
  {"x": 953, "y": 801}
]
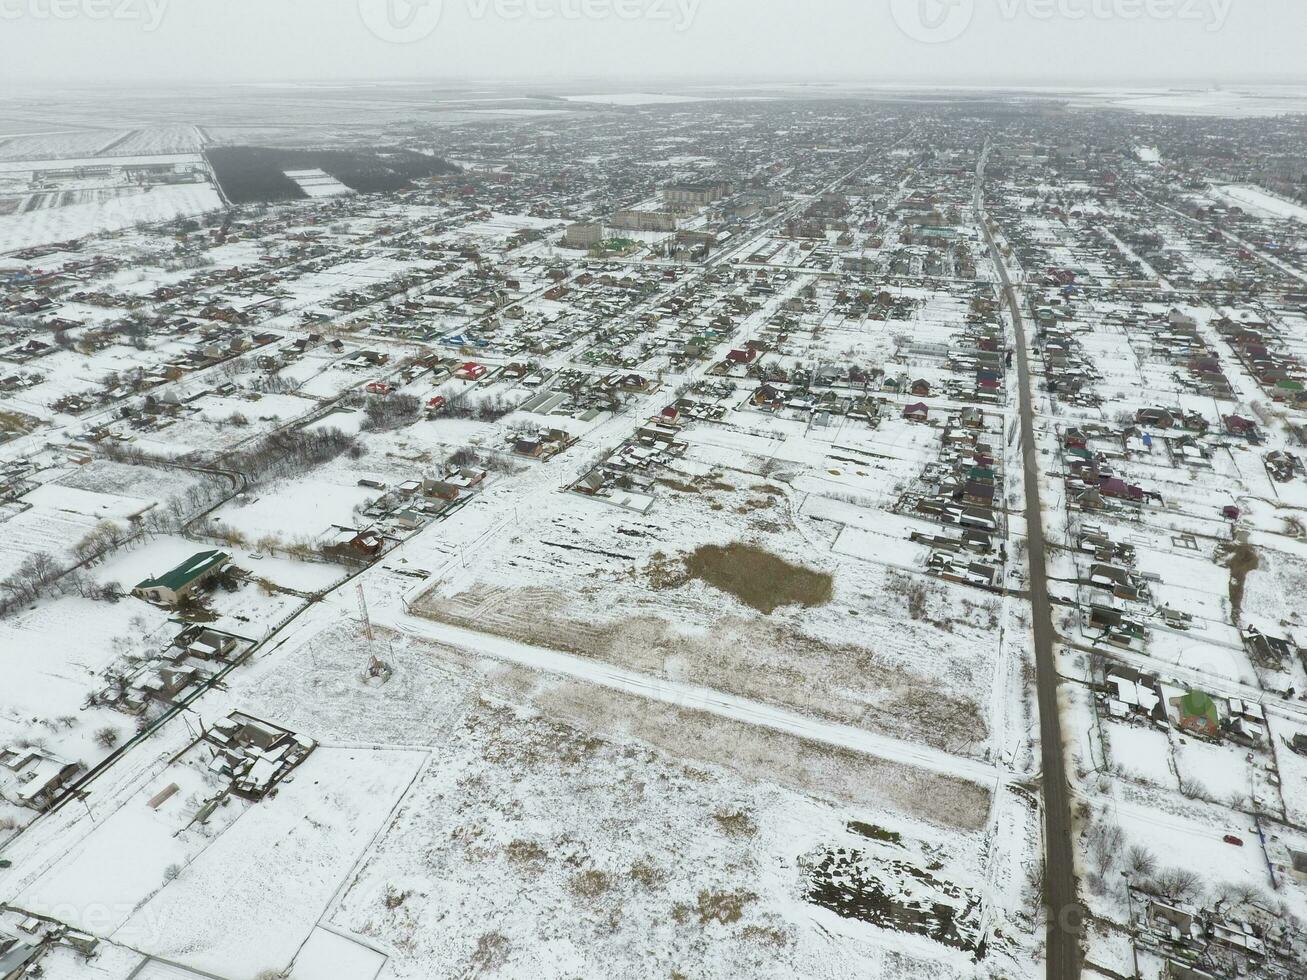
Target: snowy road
[{"x": 695, "y": 698}]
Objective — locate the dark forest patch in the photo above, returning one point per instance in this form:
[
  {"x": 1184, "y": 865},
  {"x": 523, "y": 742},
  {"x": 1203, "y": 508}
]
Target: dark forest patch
[{"x": 251, "y": 174}]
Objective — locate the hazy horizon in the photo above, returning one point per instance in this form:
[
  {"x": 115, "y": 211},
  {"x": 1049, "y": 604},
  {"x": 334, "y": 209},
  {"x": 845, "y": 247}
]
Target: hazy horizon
[{"x": 1045, "y": 43}]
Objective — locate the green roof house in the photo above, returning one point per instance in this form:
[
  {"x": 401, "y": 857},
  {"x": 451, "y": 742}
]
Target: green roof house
[
  {"x": 172, "y": 587},
  {"x": 1198, "y": 715}
]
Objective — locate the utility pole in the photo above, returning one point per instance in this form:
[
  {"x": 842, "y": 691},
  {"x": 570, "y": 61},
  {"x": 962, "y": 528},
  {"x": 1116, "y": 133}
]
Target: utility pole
[
  {"x": 376, "y": 669},
  {"x": 363, "y": 614}
]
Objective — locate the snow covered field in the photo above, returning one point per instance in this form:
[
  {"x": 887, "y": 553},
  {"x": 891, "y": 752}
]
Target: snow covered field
[
  {"x": 152, "y": 204},
  {"x": 1260, "y": 202},
  {"x": 191, "y": 894},
  {"x": 317, "y": 183}
]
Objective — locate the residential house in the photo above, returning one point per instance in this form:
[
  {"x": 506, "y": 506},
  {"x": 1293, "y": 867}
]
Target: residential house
[
  {"x": 1198, "y": 715},
  {"x": 34, "y": 778},
  {"x": 174, "y": 586}
]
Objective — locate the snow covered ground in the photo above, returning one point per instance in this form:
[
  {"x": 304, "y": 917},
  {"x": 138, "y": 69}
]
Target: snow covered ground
[
  {"x": 317, "y": 183},
  {"x": 1253, "y": 198},
  {"x": 162, "y": 203}
]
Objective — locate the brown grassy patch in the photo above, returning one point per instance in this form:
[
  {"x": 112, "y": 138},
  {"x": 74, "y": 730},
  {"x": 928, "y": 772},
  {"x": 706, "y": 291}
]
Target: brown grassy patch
[
  {"x": 1241, "y": 558},
  {"x": 524, "y": 852},
  {"x": 16, "y": 422},
  {"x": 647, "y": 875},
  {"x": 758, "y": 578},
  {"x": 491, "y": 953},
  {"x": 678, "y": 485},
  {"x": 872, "y": 832},
  {"x": 736, "y": 823},
  {"x": 590, "y": 884},
  {"x": 664, "y": 572},
  {"x": 766, "y": 936},
  {"x": 720, "y": 907}
]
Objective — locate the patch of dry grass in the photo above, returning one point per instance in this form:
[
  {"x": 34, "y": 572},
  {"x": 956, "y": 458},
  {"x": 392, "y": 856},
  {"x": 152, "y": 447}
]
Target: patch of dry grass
[
  {"x": 694, "y": 737},
  {"x": 723, "y": 908},
  {"x": 1241, "y": 558},
  {"x": 665, "y": 572},
  {"x": 590, "y": 884},
  {"x": 758, "y": 578},
  {"x": 766, "y": 936},
  {"x": 748, "y": 655},
  {"x": 736, "y": 823},
  {"x": 491, "y": 953},
  {"x": 646, "y": 874},
  {"x": 524, "y": 852}
]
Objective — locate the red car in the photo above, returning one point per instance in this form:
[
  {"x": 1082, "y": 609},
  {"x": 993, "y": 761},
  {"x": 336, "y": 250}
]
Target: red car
[{"x": 1231, "y": 839}]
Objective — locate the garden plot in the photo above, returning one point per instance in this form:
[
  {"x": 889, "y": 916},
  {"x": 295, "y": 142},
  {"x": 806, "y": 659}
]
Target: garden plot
[
  {"x": 1274, "y": 590},
  {"x": 241, "y": 894},
  {"x": 215, "y": 425},
  {"x": 51, "y": 525},
  {"x": 78, "y": 639},
  {"x": 52, "y": 658},
  {"x": 96, "y": 505},
  {"x": 1140, "y": 752},
  {"x": 154, "y": 483},
  {"x": 627, "y": 590},
  {"x": 1217, "y": 772},
  {"x": 275, "y": 409},
  {"x": 1189, "y": 834},
  {"x": 1261, "y": 202},
  {"x": 195, "y": 434},
  {"x": 320, "y": 377},
  {"x": 110, "y": 963},
  {"x": 330, "y": 956},
  {"x": 868, "y": 466},
  {"x": 25, "y": 151},
  {"x": 1188, "y": 583},
  {"x": 345, "y": 419},
  {"x": 501, "y": 227},
  {"x": 66, "y": 372},
  {"x": 888, "y": 544},
  {"x": 297, "y": 509},
  {"x": 1293, "y": 770},
  {"x": 659, "y": 866}
]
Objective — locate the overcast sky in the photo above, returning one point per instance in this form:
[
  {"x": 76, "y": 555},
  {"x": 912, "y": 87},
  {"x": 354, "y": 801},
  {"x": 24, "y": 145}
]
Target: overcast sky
[{"x": 1099, "y": 42}]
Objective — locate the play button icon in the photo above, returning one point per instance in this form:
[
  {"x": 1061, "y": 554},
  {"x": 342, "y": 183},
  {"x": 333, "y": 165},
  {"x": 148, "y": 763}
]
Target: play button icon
[
  {"x": 933, "y": 21},
  {"x": 401, "y": 21}
]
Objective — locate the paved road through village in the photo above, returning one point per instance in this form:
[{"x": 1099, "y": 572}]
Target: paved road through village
[{"x": 1059, "y": 869}]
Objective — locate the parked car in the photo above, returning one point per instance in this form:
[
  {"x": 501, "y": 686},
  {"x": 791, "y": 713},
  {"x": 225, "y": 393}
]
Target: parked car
[{"x": 1231, "y": 839}]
